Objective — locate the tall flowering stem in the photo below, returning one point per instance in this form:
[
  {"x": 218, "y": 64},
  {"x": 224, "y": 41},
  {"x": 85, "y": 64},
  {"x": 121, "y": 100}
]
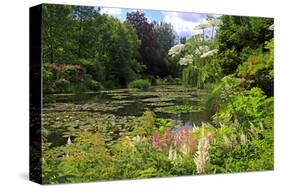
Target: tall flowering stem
[
  {"x": 202, "y": 157},
  {"x": 181, "y": 140}
]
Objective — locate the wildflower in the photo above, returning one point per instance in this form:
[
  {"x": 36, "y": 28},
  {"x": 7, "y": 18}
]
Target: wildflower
[
  {"x": 172, "y": 154},
  {"x": 137, "y": 139},
  {"x": 243, "y": 138},
  {"x": 191, "y": 144},
  {"x": 155, "y": 139},
  {"x": 227, "y": 142},
  {"x": 176, "y": 139},
  {"x": 165, "y": 139},
  {"x": 201, "y": 157},
  {"x": 184, "y": 149}
]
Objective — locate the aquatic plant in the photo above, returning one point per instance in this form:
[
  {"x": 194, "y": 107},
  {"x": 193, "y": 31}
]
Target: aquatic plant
[{"x": 178, "y": 109}]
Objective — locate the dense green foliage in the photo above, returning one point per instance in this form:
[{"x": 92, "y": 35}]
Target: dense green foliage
[
  {"x": 220, "y": 81},
  {"x": 140, "y": 84},
  {"x": 242, "y": 39}
]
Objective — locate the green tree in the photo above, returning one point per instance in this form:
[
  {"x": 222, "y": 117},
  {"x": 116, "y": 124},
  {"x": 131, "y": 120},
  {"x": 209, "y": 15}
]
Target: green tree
[
  {"x": 124, "y": 44},
  {"x": 166, "y": 35},
  {"x": 82, "y": 23},
  {"x": 57, "y": 28},
  {"x": 239, "y": 35}
]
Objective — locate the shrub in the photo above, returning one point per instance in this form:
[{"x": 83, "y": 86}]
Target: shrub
[
  {"x": 248, "y": 106},
  {"x": 145, "y": 124},
  {"x": 177, "y": 81},
  {"x": 109, "y": 84},
  {"x": 61, "y": 86},
  {"x": 158, "y": 82},
  {"x": 144, "y": 85},
  {"x": 94, "y": 85},
  {"x": 48, "y": 79}
]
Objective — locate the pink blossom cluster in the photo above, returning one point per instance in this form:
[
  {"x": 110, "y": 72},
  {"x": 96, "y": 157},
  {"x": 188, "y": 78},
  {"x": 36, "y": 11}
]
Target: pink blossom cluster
[{"x": 181, "y": 139}]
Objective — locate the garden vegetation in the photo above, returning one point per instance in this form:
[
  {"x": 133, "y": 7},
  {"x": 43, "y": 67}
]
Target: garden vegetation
[{"x": 231, "y": 67}]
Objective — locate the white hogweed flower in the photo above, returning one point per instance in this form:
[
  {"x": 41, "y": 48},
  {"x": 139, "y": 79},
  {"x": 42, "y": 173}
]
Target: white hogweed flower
[
  {"x": 209, "y": 53},
  {"x": 183, "y": 61},
  {"x": 215, "y": 22},
  {"x": 176, "y": 49},
  {"x": 188, "y": 59},
  {"x": 204, "y": 49},
  {"x": 197, "y": 51}
]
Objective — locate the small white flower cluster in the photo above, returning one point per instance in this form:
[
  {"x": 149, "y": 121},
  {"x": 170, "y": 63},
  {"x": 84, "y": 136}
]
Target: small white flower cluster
[{"x": 175, "y": 50}]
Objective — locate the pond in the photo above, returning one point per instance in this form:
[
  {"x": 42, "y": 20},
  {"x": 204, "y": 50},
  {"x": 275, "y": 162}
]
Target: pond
[{"x": 63, "y": 114}]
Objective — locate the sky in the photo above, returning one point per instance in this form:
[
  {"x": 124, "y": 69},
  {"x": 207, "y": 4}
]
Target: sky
[{"x": 183, "y": 23}]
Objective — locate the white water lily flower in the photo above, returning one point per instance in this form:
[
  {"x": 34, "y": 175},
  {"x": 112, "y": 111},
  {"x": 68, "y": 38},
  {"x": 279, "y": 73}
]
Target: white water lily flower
[
  {"x": 176, "y": 49},
  {"x": 69, "y": 141},
  {"x": 209, "y": 53}
]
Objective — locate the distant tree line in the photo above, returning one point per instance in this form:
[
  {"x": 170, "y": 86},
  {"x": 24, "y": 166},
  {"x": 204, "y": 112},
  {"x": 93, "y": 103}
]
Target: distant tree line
[{"x": 109, "y": 53}]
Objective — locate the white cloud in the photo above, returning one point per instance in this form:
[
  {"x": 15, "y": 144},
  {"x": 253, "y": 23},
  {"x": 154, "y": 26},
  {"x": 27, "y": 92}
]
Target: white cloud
[
  {"x": 111, "y": 11},
  {"x": 133, "y": 10},
  {"x": 183, "y": 25}
]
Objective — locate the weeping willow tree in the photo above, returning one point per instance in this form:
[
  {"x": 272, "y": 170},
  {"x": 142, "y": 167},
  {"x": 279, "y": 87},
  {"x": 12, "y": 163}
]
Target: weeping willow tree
[{"x": 192, "y": 76}]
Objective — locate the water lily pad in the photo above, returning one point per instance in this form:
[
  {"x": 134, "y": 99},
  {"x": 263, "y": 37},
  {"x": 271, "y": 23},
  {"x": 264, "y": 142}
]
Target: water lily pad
[
  {"x": 178, "y": 109},
  {"x": 124, "y": 102},
  {"x": 120, "y": 96},
  {"x": 157, "y": 99},
  {"x": 159, "y": 104}
]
